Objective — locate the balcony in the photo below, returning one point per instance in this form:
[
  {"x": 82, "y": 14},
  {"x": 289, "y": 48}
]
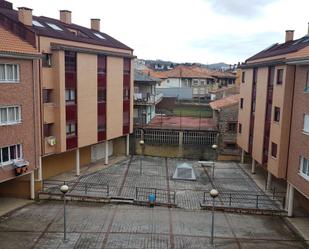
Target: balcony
[
  {"x": 49, "y": 113},
  {"x": 147, "y": 99}
]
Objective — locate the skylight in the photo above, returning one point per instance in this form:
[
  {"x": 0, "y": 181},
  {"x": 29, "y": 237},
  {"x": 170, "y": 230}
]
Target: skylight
[
  {"x": 99, "y": 36},
  {"x": 54, "y": 26},
  {"x": 36, "y": 23}
]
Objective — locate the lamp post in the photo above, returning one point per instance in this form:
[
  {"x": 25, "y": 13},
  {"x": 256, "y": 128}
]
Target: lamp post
[
  {"x": 141, "y": 143},
  {"x": 64, "y": 189},
  {"x": 214, "y": 147},
  {"x": 213, "y": 193}
]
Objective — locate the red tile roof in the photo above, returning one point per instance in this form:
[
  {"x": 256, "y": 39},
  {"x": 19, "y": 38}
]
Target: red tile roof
[
  {"x": 225, "y": 102},
  {"x": 11, "y": 43}
]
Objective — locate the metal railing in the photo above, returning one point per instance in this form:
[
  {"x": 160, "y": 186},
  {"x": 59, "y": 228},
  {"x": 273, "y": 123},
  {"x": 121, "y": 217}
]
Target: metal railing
[
  {"x": 247, "y": 200},
  {"x": 162, "y": 195},
  {"x": 77, "y": 188}
]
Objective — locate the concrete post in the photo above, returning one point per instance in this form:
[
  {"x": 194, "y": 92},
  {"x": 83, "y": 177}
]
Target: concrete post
[
  {"x": 291, "y": 201},
  {"x": 40, "y": 171},
  {"x": 77, "y": 162},
  {"x": 32, "y": 194},
  {"x": 106, "y": 152},
  {"x": 287, "y": 197},
  {"x": 242, "y": 159},
  {"x": 268, "y": 183},
  {"x": 128, "y": 145},
  {"x": 253, "y": 166},
  {"x": 180, "y": 138}
]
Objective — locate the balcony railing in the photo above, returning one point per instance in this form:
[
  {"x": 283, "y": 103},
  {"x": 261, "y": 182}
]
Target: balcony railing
[{"x": 148, "y": 99}]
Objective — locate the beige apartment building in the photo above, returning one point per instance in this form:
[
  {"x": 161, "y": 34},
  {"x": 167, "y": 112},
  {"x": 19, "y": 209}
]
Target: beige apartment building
[
  {"x": 86, "y": 89},
  {"x": 273, "y": 121}
]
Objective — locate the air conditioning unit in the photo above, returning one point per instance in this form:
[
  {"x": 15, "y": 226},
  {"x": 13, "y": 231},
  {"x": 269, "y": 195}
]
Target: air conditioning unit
[{"x": 51, "y": 141}]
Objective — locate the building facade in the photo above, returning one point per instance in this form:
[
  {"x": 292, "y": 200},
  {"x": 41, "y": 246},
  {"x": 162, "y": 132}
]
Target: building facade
[
  {"x": 85, "y": 89},
  {"x": 272, "y": 108},
  {"x": 19, "y": 116}
]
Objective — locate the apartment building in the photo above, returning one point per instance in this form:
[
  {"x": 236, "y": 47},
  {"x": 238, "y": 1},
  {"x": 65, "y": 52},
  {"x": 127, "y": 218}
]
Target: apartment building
[
  {"x": 145, "y": 98},
  {"x": 86, "y": 83},
  {"x": 19, "y": 115},
  {"x": 273, "y": 114}
]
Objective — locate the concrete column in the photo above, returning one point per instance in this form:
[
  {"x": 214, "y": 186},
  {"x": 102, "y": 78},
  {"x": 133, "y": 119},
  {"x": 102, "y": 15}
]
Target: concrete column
[
  {"x": 106, "y": 152},
  {"x": 287, "y": 197},
  {"x": 40, "y": 171},
  {"x": 180, "y": 138},
  {"x": 128, "y": 145},
  {"x": 291, "y": 201},
  {"x": 77, "y": 162},
  {"x": 32, "y": 194},
  {"x": 268, "y": 183},
  {"x": 242, "y": 159},
  {"x": 253, "y": 166}
]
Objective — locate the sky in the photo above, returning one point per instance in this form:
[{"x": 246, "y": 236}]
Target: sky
[{"x": 203, "y": 31}]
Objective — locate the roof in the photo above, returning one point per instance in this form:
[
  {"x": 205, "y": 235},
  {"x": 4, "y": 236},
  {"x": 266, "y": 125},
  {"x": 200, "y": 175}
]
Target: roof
[
  {"x": 85, "y": 35},
  {"x": 183, "y": 71},
  {"x": 145, "y": 78},
  {"x": 11, "y": 43},
  {"x": 282, "y": 49},
  {"x": 225, "y": 102}
]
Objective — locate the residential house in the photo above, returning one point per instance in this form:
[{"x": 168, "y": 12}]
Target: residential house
[
  {"x": 145, "y": 97},
  {"x": 273, "y": 115},
  {"x": 19, "y": 114},
  {"x": 86, "y": 88},
  {"x": 225, "y": 114}
]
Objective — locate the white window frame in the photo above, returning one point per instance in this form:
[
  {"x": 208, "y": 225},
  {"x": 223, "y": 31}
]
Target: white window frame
[
  {"x": 195, "y": 82},
  {"x": 11, "y": 161},
  {"x": 17, "y": 118},
  {"x": 304, "y": 163},
  {"x": 306, "y": 121},
  {"x": 15, "y": 79}
]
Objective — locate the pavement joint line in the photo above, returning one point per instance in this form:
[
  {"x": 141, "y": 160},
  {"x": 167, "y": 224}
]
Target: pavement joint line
[
  {"x": 46, "y": 228},
  {"x": 170, "y": 218},
  {"x": 109, "y": 229},
  {"x": 125, "y": 177},
  {"x": 225, "y": 215}
]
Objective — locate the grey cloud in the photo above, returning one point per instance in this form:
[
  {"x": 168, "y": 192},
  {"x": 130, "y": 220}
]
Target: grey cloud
[
  {"x": 240, "y": 8},
  {"x": 237, "y": 47}
]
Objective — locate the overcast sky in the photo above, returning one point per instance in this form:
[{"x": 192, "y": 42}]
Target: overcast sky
[{"x": 205, "y": 31}]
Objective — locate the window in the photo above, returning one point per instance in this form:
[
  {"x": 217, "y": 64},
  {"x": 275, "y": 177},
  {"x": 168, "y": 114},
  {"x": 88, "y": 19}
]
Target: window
[
  {"x": 99, "y": 36},
  {"x": 195, "y": 83},
  {"x": 195, "y": 90},
  {"x": 230, "y": 146},
  {"x": 232, "y": 127},
  {"x": 274, "y": 150},
  {"x": 10, "y": 115},
  {"x": 279, "y": 76},
  {"x": 307, "y": 83},
  {"x": 304, "y": 168},
  {"x": 54, "y": 26},
  {"x": 71, "y": 129},
  {"x": 126, "y": 66},
  {"x": 101, "y": 94},
  {"x": 126, "y": 94},
  {"x": 48, "y": 130},
  {"x": 46, "y": 61},
  {"x": 277, "y": 114},
  {"x": 37, "y": 24},
  {"x": 239, "y": 128},
  {"x": 47, "y": 95},
  {"x": 9, "y": 154},
  {"x": 70, "y": 96},
  {"x": 241, "y": 103},
  {"x": 306, "y": 123},
  {"x": 9, "y": 73},
  {"x": 203, "y": 82},
  {"x": 243, "y": 74}
]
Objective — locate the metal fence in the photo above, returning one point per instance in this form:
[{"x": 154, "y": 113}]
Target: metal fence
[
  {"x": 162, "y": 195},
  {"x": 199, "y": 138}
]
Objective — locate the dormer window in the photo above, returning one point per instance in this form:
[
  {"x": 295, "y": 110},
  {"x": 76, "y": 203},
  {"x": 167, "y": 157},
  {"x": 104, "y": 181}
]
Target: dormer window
[{"x": 54, "y": 26}]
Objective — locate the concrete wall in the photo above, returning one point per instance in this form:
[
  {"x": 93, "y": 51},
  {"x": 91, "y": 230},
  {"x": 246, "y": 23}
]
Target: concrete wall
[{"x": 180, "y": 93}]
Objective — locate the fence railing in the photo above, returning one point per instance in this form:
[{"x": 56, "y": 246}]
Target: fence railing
[
  {"x": 77, "y": 188},
  {"x": 162, "y": 195},
  {"x": 247, "y": 200}
]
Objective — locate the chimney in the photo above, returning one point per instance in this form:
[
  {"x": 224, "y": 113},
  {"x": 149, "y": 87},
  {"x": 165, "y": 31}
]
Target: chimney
[
  {"x": 289, "y": 35},
  {"x": 66, "y": 16},
  {"x": 95, "y": 24},
  {"x": 25, "y": 16},
  {"x": 6, "y": 5}
]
